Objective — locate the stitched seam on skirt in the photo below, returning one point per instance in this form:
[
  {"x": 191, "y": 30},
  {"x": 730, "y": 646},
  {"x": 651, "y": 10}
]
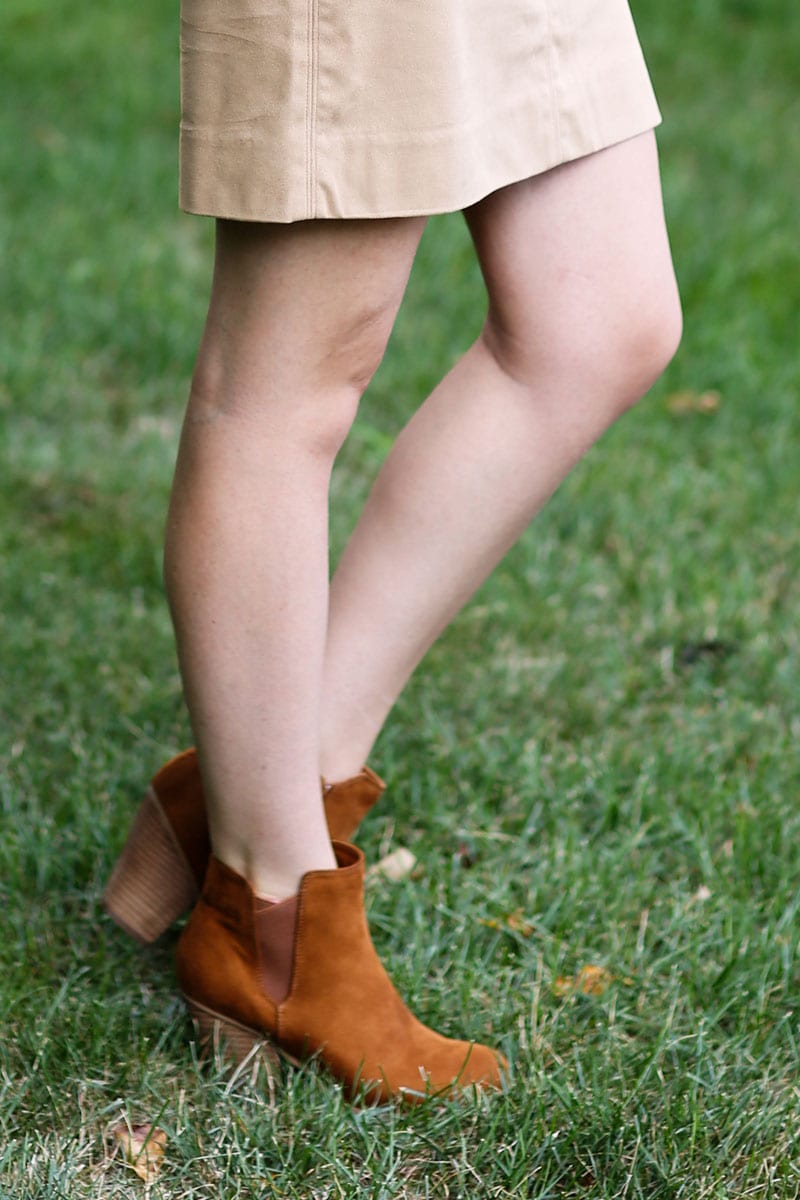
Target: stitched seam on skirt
[
  {"x": 552, "y": 76},
  {"x": 312, "y": 52}
]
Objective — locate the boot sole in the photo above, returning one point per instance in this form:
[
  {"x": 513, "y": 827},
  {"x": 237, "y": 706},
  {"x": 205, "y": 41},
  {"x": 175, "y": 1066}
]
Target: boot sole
[
  {"x": 152, "y": 884},
  {"x": 245, "y": 1050}
]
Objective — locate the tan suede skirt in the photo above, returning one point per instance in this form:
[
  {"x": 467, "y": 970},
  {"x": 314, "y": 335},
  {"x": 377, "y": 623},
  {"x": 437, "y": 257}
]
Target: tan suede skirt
[{"x": 294, "y": 109}]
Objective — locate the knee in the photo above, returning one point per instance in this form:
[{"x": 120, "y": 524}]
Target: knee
[
  {"x": 640, "y": 344},
  {"x": 301, "y": 419},
  {"x": 302, "y": 386},
  {"x": 611, "y": 354}
]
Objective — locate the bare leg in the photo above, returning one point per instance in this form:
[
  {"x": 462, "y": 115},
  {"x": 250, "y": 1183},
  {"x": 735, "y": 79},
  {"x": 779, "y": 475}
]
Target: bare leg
[
  {"x": 583, "y": 317},
  {"x": 298, "y": 321}
]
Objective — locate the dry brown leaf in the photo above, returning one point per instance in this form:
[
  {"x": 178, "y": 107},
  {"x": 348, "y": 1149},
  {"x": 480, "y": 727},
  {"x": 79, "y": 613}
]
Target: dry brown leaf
[
  {"x": 142, "y": 1147},
  {"x": 708, "y": 402},
  {"x": 394, "y": 866},
  {"x": 517, "y": 922},
  {"x": 589, "y": 981},
  {"x": 688, "y": 401},
  {"x": 514, "y": 921}
]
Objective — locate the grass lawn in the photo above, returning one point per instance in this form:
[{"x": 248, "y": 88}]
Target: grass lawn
[{"x": 596, "y": 767}]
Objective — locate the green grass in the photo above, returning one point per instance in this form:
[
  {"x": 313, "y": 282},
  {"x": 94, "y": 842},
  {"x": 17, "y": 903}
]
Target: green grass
[{"x": 602, "y": 748}]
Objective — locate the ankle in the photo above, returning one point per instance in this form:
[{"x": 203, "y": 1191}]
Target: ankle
[
  {"x": 279, "y": 880},
  {"x": 345, "y": 745},
  {"x": 341, "y": 764}
]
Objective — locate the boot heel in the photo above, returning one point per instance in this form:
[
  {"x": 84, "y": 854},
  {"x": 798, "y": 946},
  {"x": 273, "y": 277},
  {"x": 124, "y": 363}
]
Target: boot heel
[
  {"x": 234, "y": 1044},
  {"x": 152, "y": 883}
]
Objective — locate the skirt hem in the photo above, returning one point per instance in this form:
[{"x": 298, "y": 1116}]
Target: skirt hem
[{"x": 197, "y": 205}]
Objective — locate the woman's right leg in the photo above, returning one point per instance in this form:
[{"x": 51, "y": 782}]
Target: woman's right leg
[
  {"x": 583, "y": 317},
  {"x": 298, "y": 322}
]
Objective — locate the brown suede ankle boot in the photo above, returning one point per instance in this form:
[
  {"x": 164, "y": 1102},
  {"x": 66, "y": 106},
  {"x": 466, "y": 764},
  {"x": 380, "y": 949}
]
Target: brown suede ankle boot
[
  {"x": 161, "y": 869},
  {"x": 302, "y": 978}
]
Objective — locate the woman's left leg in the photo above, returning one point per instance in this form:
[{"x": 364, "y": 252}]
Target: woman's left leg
[{"x": 583, "y": 317}]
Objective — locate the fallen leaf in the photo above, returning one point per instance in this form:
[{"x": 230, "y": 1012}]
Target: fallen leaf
[
  {"x": 708, "y": 402},
  {"x": 514, "y": 921},
  {"x": 589, "y": 981},
  {"x": 687, "y": 401},
  {"x": 394, "y": 866},
  {"x": 142, "y": 1147}
]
